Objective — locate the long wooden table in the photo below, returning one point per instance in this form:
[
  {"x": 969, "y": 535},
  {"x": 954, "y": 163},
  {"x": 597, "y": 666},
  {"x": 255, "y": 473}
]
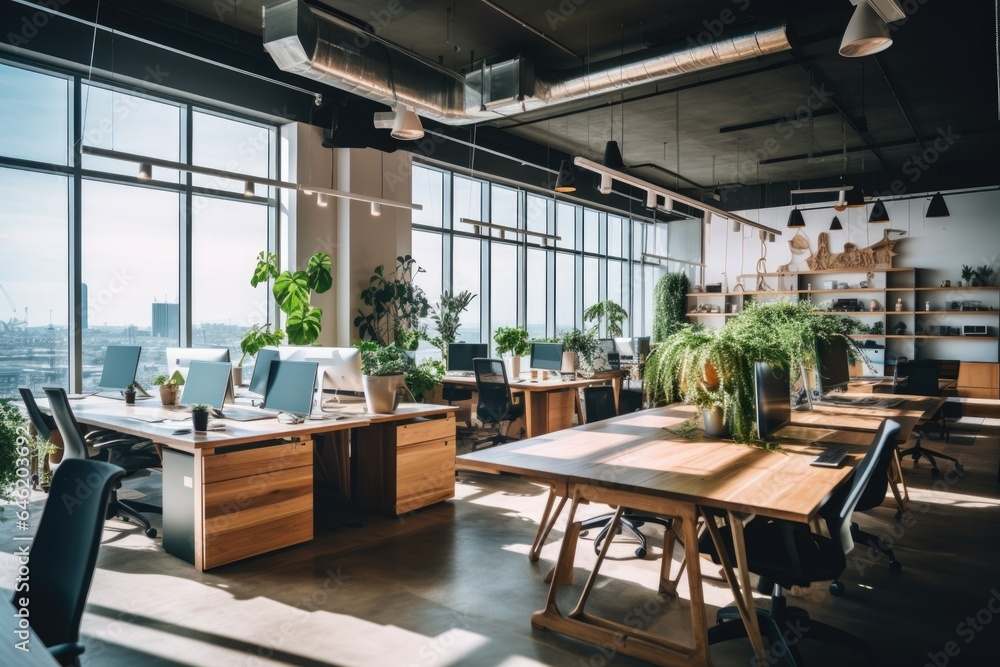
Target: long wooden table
[
  {"x": 249, "y": 489},
  {"x": 550, "y": 405},
  {"x": 633, "y": 461}
]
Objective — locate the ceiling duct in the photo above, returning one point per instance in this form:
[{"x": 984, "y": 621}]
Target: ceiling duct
[{"x": 328, "y": 49}]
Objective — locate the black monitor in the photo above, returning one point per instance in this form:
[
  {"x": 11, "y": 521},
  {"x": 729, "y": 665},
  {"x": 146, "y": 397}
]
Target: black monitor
[
  {"x": 261, "y": 368},
  {"x": 460, "y": 355},
  {"x": 774, "y": 404},
  {"x": 833, "y": 371},
  {"x": 120, "y": 365},
  {"x": 180, "y": 358},
  {"x": 640, "y": 347},
  {"x": 546, "y": 356},
  {"x": 207, "y": 382},
  {"x": 290, "y": 387}
]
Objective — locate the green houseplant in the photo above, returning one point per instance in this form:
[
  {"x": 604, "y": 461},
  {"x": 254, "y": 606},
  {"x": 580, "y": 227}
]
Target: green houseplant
[
  {"x": 258, "y": 337},
  {"x": 169, "y": 387},
  {"x": 669, "y": 305},
  {"x": 293, "y": 293},
  {"x": 383, "y": 370},
  {"x": 984, "y": 274},
  {"x": 129, "y": 394},
  {"x": 199, "y": 416},
  {"x": 578, "y": 346},
  {"x": 967, "y": 274},
  {"x": 606, "y": 311},
  {"x": 512, "y": 344},
  {"x": 445, "y": 315},
  {"x": 396, "y": 304},
  {"x": 20, "y": 452}
]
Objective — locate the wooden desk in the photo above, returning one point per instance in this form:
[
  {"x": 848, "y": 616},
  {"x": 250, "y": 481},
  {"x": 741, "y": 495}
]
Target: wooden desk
[
  {"x": 549, "y": 405},
  {"x": 34, "y": 654},
  {"x": 631, "y": 461},
  {"x": 250, "y": 488}
]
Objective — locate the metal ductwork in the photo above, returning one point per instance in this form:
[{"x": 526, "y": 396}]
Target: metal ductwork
[{"x": 328, "y": 49}]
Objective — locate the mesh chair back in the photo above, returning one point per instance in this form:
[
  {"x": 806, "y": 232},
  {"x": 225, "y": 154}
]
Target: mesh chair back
[
  {"x": 875, "y": 462},
  {"x": 74, "y": 446},
  {"x": 64, "y": 551},
  {"x": 493, "y": 389},
  {"x": 599, "y": 403},
  {"x": 43, "y": 424}
]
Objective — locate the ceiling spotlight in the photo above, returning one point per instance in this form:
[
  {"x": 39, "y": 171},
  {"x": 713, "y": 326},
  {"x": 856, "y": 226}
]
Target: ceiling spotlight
[
  {"x": 937, "y": 208},
  {"x": 320, "y": 199},
  {"x": 841, "y": 204},
  {"x": 605, "y": 185},
  {"x": 145, "y": 171},
  {"x": 771, "y": 237},
  {"x": 866, "y": 33},
  {"x": 835, "y": 225},
  {"x": 879, "y": 214},
  {"x": 736, "y": 226},
  {"x": 795, "y": 219},
  {"x": 406, "y": 125},
  {"x": 376, "y": 209},
  {"x": 565, "y": 181},
  {"x": 651, "y": 199},
  {"x": 668, "y": 205},
  {"x": 249, "y": 189}
]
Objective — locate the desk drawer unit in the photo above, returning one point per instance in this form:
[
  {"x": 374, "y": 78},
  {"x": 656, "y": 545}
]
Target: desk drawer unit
[
  {"x": 403, "y": 467},
  {"x": 256, "y": 500}
]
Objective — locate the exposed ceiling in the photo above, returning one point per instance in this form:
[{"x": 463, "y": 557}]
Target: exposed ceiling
[{"x": 726, "y": 128}]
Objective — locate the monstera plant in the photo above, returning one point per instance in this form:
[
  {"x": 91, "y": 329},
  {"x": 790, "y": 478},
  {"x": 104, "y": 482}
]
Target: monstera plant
[{"x": 293, "y": 292}]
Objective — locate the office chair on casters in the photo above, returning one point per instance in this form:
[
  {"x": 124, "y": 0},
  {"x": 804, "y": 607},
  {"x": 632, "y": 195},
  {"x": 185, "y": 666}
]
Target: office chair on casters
[
  {"x": 454, "y": 392},
  {"x": 922, "y": 380},
  {"x": 495, "y": 405},
  {"x": 786, "y": 553},
  {"x": 126, "y": 452},
  {"x": 64, "y": 553}
]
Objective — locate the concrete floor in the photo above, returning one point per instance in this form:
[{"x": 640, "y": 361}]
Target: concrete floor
[{"x": 451, "y": 585}]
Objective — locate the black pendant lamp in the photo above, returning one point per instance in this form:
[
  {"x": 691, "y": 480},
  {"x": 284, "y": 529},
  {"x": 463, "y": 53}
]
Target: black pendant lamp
[
  {"x": 937, "y": 207},
  {"x": 855, "y": 198},
  {"x": 795, "y": 219},
  {"x": 565, "y": 181},
  {"x": 835, "y": 225},
  {"x": 879, "y": 214},
  {"x": 612, "y": 160}
]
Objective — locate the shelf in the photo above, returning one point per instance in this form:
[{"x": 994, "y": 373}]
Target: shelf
[
  {"x": 712, "y": 314},
  {"x": 963, "y": 338},
  {"x": 958, "y": 312},
  {"x": 980, "y": 288},
  {"x": 832, "y": 271}
]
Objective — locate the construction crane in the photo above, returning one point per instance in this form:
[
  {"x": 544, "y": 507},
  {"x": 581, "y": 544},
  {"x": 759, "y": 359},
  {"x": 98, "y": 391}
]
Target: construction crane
[
  {"x": 13, "y": 322},
  {"x": 10, "y": 299}
]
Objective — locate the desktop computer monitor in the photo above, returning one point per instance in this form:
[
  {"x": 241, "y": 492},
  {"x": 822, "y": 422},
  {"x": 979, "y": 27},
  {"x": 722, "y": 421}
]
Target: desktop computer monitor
[
  {"x": 546, "y": 356},
  {"x": 640, "y": 347},
  {"x": 341, "y": 371},
  {"x": 833, "y": 372},
  {"x": 624, "y": 347},
  {"x": 290, "y": 387},
  {"x": 180, "y": 358},
  {"x": 261, "y": 367},
  {"x": 120, "y": 365},
  {"x": 208, "y": 382},
  {"x": 774, "y": 404},
  {"x": 460, "y": 355}
]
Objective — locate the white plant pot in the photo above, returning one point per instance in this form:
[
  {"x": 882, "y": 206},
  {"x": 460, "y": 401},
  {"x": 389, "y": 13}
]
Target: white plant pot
[
  {"x": 237, "y": 376},
  {"x": 569, "y": 361},
  {"x": 513, "y": 364},
  {"x": 382, "y": 392}
]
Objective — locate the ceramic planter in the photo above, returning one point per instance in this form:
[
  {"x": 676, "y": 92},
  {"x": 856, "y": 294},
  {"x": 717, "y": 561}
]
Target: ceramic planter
[
  {"x": 382, "y": 392},
  {"x": 168, "y": 394}
]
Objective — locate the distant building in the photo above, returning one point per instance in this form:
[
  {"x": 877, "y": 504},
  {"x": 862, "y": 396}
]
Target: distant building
[
  {"x": 83, "y": 306},
  {"x": 166, "y": 320}
]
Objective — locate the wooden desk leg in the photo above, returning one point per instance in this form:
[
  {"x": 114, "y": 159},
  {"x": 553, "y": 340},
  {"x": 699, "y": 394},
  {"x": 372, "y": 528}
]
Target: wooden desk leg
[
  {"x": 616, "y": 383},
  {"x": 546, "y": 524},
  {"x": 535, "y": 413},
  {"x": 897, "y": 484}
]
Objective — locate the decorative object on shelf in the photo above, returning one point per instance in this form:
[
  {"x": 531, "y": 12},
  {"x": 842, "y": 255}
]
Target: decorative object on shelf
[
  {"x": 967, "y": 273},
  {"x": 984, "y": 274},
  {"x": 900, "y": 328},
  {"x": 799, "y": 247},
  {"x": 874, "y": 306},
  {"x": 945, "y": 283},
  {"x": 927, "y": 305},
  {"x": 809, "y": 287},
  {"x": 168, "y": 387},
  {"x": 734, "y": 308},
  {"x": 899, "y": 304},
  {"x": 714, "y": 288},
  {"x": 876, "y": 256}
]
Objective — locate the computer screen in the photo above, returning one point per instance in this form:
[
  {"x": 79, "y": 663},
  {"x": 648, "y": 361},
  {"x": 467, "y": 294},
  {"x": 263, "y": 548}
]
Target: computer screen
[
  {"x": 774, "y": 405},
  {"x": 460, "y": 355},
  {"x": 290, "y": 386},
  {"x": 640, "y": 347},
  {"x": 624, "y": 347},
  {"x": 341, "y": 371},
  {"x": 120, "y": 364},
  {"x": 607, "y": 346},
  {"x": 546, "y": 356},
  {"x": 207, "y": 382},
  {"x": 261, "y": 368},
  {"x": 832, "y": 368},
  {"x": 180, "y": 358}
]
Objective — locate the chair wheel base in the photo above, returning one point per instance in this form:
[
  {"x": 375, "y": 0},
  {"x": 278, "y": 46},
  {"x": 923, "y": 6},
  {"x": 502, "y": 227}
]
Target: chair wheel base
[
  {"x": 836, "y": 588},
  {"x": 895, "y": 566},
  {"x": 935, "y": 472},
  {"x": 151, "y": 532},
  {"x": 640, "y": 553}
]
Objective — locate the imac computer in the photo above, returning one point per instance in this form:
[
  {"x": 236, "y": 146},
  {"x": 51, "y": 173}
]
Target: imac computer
[
  {"x": 338, "y": 369},
  {"x": 609, "y": 350},
  {"x": 546, "y": 356},
  {"x": 120, "y": 365},
  {"x": 624, "y": 348},
  {"x": 261, "y": 367},
  {"x": 290, "y": 388},
  {"x": 460, "y": 356},
  {"x": 180, "y": 358},
  {"x": 832, "y": 368},
  {"x": 774, "y": 405},
  {"x": 640, "y": 347}
]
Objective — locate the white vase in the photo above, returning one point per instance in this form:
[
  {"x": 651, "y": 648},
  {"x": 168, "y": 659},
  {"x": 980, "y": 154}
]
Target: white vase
[
  {"x": 513, "y": 363},
  {"x": 569, "y": 360},
  {"x": 382, "y": 392}
]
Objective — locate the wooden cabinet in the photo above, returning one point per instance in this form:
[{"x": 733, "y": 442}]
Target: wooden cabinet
[
  {"x": 403, "y": 466},
  {"x": 978, "y": 380}
]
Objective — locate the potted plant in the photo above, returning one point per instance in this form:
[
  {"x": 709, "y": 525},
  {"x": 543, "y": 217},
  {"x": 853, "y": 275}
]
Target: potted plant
[
  {"x": 610, "y": 312},
  {"x": 383, "y": 370},
  {"x": 423, "y": 377},
  {"x": 199, "y": 416},
  {"x": 445, "y": 316},
  {"x": 512, "y": 344},
  {"x": 396, "y": 303},
  {"x": 293, "y": 293},
  {"x": 669, "y": 305},
  {"x": 169, "y": 387},
  {"x": 967, "y": 275},
  {"x": 129, "y": 394},
  {"x": 254, "y": 340},
  {"x": 578, "y": 345},
  {"x": 984, "y": 274},
  {"x": 20, "y": 452}
]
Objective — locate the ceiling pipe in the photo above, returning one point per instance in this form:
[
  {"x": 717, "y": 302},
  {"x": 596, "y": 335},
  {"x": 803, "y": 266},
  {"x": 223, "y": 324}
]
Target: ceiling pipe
[{"x": 321, "y": 47}]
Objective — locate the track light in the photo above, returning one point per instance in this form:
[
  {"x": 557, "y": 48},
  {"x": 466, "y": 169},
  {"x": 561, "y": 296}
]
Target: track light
[
  {"x": 320, "y": 199},
  {"x": 937, "y": 208},
  {"x": 668, "y": 205},
  {"x": 145, "y": 171},
  {"x": 770, "y": 237},
  {"x": 795, "y": 219},
  {"x": 841, "y": 204},
  {"x": 605, "y": 184},
  {"x": 736, "y": 226},
  {"x": 565, "y": 181},
  {"x": 376, "y": 209},
  {"x": 650, "y": 199},
  {"x": 249, "y": 190},
  {"x": 879, "y": 214},
  {"x": 866, "y": 33},
  {"x": 406, "y": 125},
  {"x": 835, "y": 225}
]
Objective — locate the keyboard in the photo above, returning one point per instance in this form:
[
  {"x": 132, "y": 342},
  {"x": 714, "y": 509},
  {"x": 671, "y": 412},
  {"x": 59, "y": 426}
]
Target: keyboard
[{"x": 830, "y": 458}]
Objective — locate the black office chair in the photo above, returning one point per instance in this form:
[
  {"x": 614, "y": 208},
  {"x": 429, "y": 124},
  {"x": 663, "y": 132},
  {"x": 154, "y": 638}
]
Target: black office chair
[
  {"x": 496, "y": 405},
  {"x": 787, "y": 553},
  {"x": 598, "y": 405},
  {"x": 454, "y": 392},
  {"x": 131, "y": 454},
  {"x": 64, "y": 553},
  {"x": 922, "y": 380}
]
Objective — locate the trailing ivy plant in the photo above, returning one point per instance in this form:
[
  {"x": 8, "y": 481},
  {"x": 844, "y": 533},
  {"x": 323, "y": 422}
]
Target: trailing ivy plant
[
  {"x": 446, "y": 318},
  {"x": 669, "y": 305},
  {"x": 293, "y": 292},
  {"x": 610, "y": 312},
  {"x": 396, "y": 304}
]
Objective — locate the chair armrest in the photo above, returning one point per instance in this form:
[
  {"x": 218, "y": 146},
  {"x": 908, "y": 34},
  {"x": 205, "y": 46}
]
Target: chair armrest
[
  {"x": 66, "y": 654},
  {"x": 121, "y": 442}
]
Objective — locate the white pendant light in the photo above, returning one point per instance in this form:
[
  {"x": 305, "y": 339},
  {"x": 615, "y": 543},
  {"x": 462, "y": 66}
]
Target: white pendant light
[
  {"x": 866, "y": 33},
  {"x": 406, "y": 124}
]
